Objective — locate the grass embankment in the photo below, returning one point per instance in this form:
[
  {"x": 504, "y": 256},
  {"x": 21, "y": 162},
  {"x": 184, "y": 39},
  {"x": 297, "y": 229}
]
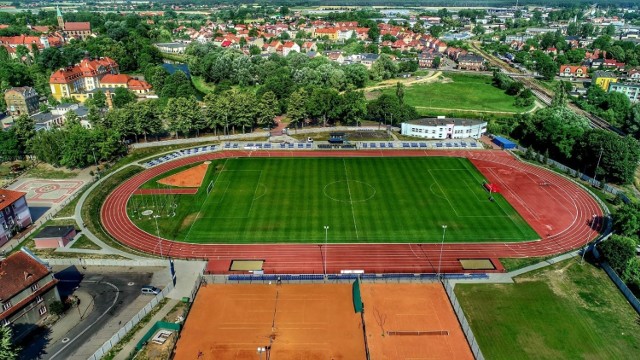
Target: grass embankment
[
  {"x": 457, "y": 93},
  {"x": 83, "y": 242},
  {"x": 564, "y": 311},
  {"x": 290, "y": 200}
]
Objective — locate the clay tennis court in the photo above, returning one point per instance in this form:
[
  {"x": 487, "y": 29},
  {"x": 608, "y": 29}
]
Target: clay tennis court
[
  {"x": 302, "y": 322},
  {"x": 191, "y": 177},
  {"x": 417, "y": 312}
]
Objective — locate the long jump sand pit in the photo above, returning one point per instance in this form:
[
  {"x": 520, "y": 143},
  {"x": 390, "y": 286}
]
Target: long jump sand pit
[
  {"x": 301, "y": 322},
  {"x": 191, "y": 177},
  {"x": 420, "y": 319}
]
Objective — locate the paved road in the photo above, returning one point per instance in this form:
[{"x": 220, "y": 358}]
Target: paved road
[{"x": 111, "y": 294}]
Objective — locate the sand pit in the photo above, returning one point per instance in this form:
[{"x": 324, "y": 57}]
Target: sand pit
[
  {"x": 191, "y": 177},
  {"x": 419, "y": 314},
  {"x": 302, "y": 322}
]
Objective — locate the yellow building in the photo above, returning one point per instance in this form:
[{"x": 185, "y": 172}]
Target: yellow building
[
  {"x": 81, "y": 78},
  {"x": 603, "y": 79}
]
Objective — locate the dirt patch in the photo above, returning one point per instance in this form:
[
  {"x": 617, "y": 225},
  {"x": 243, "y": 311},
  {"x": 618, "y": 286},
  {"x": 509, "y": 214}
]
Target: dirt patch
[
  {"x": 188, "y": 220},
  {"x": 158, "y": 351},
  {"x": 191, "y": 177}
]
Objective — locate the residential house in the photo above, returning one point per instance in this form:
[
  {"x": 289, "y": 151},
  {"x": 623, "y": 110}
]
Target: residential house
[
  {"x": 27, "y": 290},
  {"x": 336, "y": 56},
  {"x": 21, "y": 100},
  {"x": 309, "y": 46},
  {"x": 330, "y": 33},
  {"x": 425, "y": 59},
  {"x": 471, "y": 62},
  {"x": 14, "y": 214},
  {"x": 613, "y": 64},
  {"x": 603, "y": 79},
  {"x": 113, "y": 81},
  {"x": 631, "y": 90},
  {"x": 633, "y": 75},
  {"x": 57, "y": 116},
  {"x": 290, "y": 46},
  {"x": 367, "y": 59},
  {"x": 579, "y": 71},
  {"x": 81, "y": 77}
]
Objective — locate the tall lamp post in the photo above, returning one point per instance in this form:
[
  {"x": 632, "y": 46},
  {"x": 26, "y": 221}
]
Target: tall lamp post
[
  {"x": 586, "y": 244},
  {"x": 326, "y": 238},
  {"x": 444, "y": 230}
]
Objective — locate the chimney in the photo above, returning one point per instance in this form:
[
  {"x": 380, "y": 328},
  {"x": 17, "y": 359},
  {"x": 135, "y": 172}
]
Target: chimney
[{"x": 109, "y": 100}]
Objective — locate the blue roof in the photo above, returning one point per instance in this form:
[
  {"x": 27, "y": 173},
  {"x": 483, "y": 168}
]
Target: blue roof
[{"x": 506, "y": 143}]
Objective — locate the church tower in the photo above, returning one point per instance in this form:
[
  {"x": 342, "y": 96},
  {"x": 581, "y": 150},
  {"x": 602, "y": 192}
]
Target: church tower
[{"x": 60, "y": 19}]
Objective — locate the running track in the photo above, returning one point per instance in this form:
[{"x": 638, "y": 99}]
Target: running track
[{"x": 561, "y": 213}]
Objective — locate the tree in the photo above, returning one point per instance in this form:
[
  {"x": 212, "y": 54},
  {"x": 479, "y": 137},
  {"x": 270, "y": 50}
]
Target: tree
[
  {"x": 297, "y": 107},
  {"x": 25, "y": 130},
  {"x": 7, "y": 350},
  {"x": 374, "y": 33},
  {"x": 400, "y": 92},
  {"x": 478, "y": 30},
  {"x": 181, "y": 115},
  {"x": 545, "y": 65},
  {"x": 626, "y": 221},
  {"x": 353, "y": 107},
  {"x": 618, "y": 159},
  {"x": 436, "y": 30},
  {"x": 9, "y": 149},
  {"x": 618, "y": 251},
  {"x": 383, "y": 68},
  {"x": 436, "y": 62},
  {"x": 323, "y": 104},
  {"x": 267, "y": 110},
  {"x": 122, "y": 97}
]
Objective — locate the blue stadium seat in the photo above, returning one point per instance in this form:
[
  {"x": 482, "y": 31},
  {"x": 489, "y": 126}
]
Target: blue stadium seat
[
  {"x": 390, "y": 145},
  {"x": 373, "y": 145},
  {"x": 405, "y": 145},
  {"x": 383, "y": 145},
  {"x": 364, "y": 145}
]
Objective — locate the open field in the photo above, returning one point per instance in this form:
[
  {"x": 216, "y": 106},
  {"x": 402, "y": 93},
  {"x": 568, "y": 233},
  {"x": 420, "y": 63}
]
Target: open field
[
  {"x": 306, "y": 321},
  {"x": 565, "y": 311},
  {"x": 458, "y": 92},
  {"x": 362, "y": 200}
]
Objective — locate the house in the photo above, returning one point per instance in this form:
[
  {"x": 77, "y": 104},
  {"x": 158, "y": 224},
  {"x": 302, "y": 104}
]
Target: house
[
  {"x": 336, "y": 56},
  {"x": 471, "y": 62},
  {"x": 57, "y": 116},
  {"x": 14, "y": 214},
  {"x": 579, "y": 71},
  {"x": 21, "y": 100},
  {"x": 290, "y": 46},
  {"x": 603, "y": 79},
  {"x": 330, "y": 33},
  {"x": 82, "y": 77},
  {"x": 425, "y": 59},
  {"x": 125, "y": 81},
  {"x": 77, "y": 30},
  {"x": 309, "y": 46},
  {"x": 631, "y": 90},
  {"x": 633, "y": 75},
  {"x": 52, "y": 237},
  {"x": 367, "y": 59},
  {"x": 613, "y": 64},
  {"x": 27, "y": 290},
  {"x": 444, "y": 128}
]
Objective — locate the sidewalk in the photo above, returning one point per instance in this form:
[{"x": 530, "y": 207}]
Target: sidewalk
[{"x": 131, "y": 345}]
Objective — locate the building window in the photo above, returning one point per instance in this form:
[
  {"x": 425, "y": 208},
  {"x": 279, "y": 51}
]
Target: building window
[
  {"x": 42, "y": 310},
  {"x": 35, "y": 287},
  {"x": 39, "y": 299},
  {"x": 6, "y": 306},
  {"x": 5, "y": 322}
]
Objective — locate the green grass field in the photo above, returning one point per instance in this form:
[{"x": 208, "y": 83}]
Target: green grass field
[
  {"x": 565, "y": 311},
  {"x": 362, "y": 200},
  {"x": 459, "y": 91}
]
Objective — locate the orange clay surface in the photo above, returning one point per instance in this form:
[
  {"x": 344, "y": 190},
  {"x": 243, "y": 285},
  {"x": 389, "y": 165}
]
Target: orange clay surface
[
  {"x": 312, "y": 322},
  {"x": 191, "y": 177},
  {"x": 411, "y": 307}
]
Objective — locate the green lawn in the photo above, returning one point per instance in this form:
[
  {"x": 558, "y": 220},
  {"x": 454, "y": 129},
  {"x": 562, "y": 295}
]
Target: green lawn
[
  {"x": 459, "y": 91},
  {"x": 362, "y": 200},
  {"x": 565, "y": 311}
]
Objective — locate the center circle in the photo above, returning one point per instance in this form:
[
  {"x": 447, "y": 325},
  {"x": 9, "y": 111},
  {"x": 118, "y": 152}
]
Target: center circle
[{"x": 349, "y": 191}]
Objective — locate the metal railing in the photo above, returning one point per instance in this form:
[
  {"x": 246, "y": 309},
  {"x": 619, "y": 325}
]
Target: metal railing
[{"x": 464, "y": 324}]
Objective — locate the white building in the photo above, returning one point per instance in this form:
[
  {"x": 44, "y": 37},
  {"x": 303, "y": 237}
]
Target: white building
[
  {"x": 443, "y": 128},
  {"x": 631, "y": 90}
]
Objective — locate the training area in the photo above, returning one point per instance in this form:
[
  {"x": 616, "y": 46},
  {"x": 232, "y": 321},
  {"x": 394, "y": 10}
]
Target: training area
[
  {"x": 318, "y": 321},
  {"x": 290, "y": 200}
]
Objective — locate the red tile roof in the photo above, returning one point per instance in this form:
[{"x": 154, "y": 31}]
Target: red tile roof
[
  {"x": 115, "y": 79},
  {"x": 18, "y": 272},
  {"x": 8, "y": 197},
  {"x": 135, "y": 84},
  {"x": 77, "y": 26}
]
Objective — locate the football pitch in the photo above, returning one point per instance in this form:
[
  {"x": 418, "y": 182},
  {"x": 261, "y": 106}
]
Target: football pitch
[{"x": 361, "y": 200}]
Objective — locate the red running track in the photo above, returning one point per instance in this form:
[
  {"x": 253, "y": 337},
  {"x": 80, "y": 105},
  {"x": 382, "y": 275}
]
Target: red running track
[{"x": 560, "y": 212}]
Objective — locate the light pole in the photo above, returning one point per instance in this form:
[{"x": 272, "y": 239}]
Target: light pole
[
  {"x": 260, "y": 350},
  {"x": 444, "y": 230},
  {"x": 326, "y": 238},
  {"x": 597, "y": 165}
]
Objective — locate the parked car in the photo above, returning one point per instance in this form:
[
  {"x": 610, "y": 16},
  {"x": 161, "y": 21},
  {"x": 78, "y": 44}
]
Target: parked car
[{"x": 150, "y": 290}]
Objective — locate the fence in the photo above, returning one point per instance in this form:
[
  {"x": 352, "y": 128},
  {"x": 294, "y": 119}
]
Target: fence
[
  {"x": 105, "y": 262},
  {"x": 624, "y": 289},
  {"x": 468, "y": 333},
  {"x": 109, "y": 344},
  {"x": 571, "y": 172}
]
